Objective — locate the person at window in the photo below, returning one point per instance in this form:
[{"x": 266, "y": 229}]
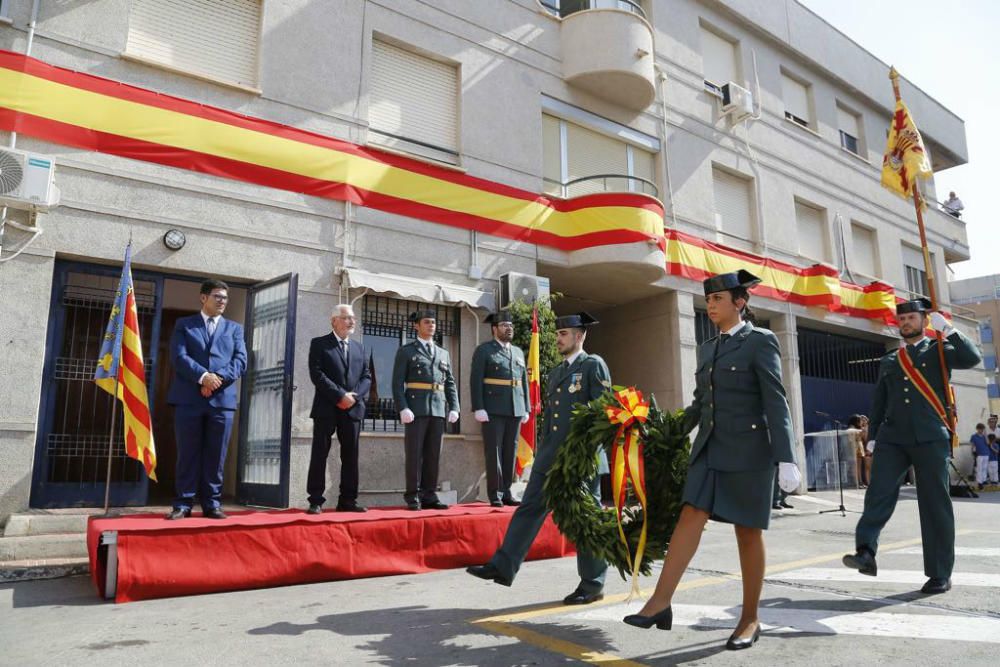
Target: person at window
[
  {"x": 953, "y": 205},
  {"x": 425, "y": 393},
  {"x": 338, "y": 367},
  {"x": 498, "y": 383},
  {"x": 209, "y": 356},
  {"x": 580, "y": 378},
  {"x": 909, "y": 423},
  {"x": 744, "y": 437}
]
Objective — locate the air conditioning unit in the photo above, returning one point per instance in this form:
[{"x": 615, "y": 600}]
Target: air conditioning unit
[
  {"x": 26, "y": 180},
  {"x": 522, "y": 287},
  {"x": 737, "y": 101}
]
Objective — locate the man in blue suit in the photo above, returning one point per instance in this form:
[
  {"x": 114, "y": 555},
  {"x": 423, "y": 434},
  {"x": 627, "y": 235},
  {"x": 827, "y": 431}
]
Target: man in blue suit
[{"x": 209, "y": 356}]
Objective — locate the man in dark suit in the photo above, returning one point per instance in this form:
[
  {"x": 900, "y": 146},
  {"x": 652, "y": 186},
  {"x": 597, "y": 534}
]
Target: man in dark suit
[
  {"x": 339, "y": 369},
  {"x": 209, "y": 356}
]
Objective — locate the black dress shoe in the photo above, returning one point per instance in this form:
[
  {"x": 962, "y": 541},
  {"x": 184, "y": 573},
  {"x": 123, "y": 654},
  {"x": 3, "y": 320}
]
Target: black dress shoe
[
  {"x": 179, "y": 513},
  {"x": 496, "y": 503},
  {"x": 314, "y": 509},
  {"x": 582, "y": 597},
  {"x": 436, "y": 505},
  {"x": 738, "y": 643},
  {"x": 511, "y": 502},
  {"x": 936, "y": 585},
  {"x": 214, "y": 513},
  {"x": 776, "y": 506},
  {"x": 413, "y": 506},
  {"x": 352, "y": 507},
  {"x": 863, "y": 561},
  {"x": 785, "y": 504},
  {"x": 662, "y": 619},
  {"x": 489, "y": 573}
]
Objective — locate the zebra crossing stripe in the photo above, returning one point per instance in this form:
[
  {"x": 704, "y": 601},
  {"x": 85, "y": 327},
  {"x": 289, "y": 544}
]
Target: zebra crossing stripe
[
  {"x": 844, "y": 574},
  {"x": 988, "y": 552}
]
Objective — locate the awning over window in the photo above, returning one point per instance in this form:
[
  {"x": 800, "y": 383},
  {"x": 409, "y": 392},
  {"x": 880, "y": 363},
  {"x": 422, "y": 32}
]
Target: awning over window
[{"x": 420, "y": 290}]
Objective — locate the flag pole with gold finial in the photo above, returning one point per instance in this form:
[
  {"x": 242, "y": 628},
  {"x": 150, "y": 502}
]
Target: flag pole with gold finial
[{"x": 918, "y": 204}]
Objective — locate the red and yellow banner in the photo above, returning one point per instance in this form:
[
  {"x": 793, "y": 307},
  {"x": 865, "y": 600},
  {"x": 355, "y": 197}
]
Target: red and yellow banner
[
  {"x": 905, "y": 158},
  {"x": 818, "y": 286},
  {"x": 76, "y": 109},
  {"x": 527, "y": 436}
]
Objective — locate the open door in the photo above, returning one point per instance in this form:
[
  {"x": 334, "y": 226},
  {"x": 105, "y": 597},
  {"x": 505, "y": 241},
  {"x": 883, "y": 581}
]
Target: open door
[{"x": 266, "y": 405}]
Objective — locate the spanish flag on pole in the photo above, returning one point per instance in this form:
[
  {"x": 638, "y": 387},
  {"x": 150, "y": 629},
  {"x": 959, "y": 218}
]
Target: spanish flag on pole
[
  {"x": 526, "y": 439},
  {"x": 905, "y": 158},
  {"x": 120, "y": 371}
]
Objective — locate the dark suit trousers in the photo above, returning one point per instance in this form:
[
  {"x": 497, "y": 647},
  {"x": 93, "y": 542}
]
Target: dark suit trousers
[
  {"x": 499, "y": 447},
  {"x": 202, "y": 434},
  {"x": 422, "y": 440},
  {"x": 348, "y": 434}
]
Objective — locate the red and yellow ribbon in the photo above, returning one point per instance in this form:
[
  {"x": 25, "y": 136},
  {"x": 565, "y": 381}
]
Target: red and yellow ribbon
[{"x": 627, "y": 464}]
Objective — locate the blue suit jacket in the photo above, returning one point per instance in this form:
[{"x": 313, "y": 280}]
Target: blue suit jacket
[{"x": 193, "y": 354}]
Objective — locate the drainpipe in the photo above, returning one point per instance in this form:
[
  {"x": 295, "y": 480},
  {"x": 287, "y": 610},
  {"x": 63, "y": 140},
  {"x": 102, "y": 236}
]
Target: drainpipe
[{"x": 661, "y": 80}]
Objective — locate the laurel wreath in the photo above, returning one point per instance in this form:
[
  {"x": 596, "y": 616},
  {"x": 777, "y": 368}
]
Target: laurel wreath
[{"x": 594, "y": 528}]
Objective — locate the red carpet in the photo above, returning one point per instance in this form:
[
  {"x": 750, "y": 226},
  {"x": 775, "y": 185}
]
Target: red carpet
[{"x": 159, "y": 558}]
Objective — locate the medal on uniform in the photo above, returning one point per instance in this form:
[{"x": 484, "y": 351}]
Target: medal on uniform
[{"x": 575, "y": 385}]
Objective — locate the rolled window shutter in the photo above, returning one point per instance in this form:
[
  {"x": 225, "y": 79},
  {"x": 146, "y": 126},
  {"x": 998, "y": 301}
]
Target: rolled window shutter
[
  {"x": 413, "y": 98},
  {"x": 551, "y": 155},
  {"x": 214, "y": 38},
  {"x": 718, "y": 58},
  {"x": 591, "y": 154},
  {"x": 643, "y": 166},
  {"x": 863, "y": 256},
  {"x": 812, "y": 231},
  {"x": 847, "y": 122},
  {"x": 796, "y": 97},
  {"x": 732, "y": 206}
]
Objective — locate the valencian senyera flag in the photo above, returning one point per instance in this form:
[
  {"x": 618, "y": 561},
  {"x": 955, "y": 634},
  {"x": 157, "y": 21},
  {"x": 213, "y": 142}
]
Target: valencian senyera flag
[
  {"x": 905, "y": 158},
  {"x": 526, "y": 438},
  {"x": 121, "y": 358}
]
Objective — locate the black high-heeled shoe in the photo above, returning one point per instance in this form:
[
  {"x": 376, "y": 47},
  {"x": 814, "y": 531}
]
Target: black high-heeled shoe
[
  {"x": 662, "y": 619},
  {"x": 737, "y": 643}
]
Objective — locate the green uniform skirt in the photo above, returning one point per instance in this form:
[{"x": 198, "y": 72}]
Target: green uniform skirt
[{"x": 742, "y": 498}]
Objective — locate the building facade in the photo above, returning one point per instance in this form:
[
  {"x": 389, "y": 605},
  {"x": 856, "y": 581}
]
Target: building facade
[
  {"x": 394, "y": 154},
  {"x": 981, "y": 296}
]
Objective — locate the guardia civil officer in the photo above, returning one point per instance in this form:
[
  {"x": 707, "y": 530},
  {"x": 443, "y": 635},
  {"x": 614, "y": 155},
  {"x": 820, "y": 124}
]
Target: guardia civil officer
[
  {"x": 744, "y": 430},
  {"x": 909, "y": 430},
  {"x": 580, "y": 378},
  {"x": 498, "y": 383},
  {"x": 424, "y": 390}
]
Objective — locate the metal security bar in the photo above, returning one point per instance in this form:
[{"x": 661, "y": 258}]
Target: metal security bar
[{"x": 835, "y": 357}]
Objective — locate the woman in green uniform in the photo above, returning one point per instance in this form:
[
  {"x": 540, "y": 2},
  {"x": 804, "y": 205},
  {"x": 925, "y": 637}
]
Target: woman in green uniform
[{"x": 744, "y": 430}]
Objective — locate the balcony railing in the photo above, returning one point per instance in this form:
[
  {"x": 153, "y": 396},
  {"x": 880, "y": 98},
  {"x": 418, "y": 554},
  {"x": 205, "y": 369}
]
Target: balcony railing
[
  {"x": 603, "y": 183},
  {"x": 563, "y": 8}
]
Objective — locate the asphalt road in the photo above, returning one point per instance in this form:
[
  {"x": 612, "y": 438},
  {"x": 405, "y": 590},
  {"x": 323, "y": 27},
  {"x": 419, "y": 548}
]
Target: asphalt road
[{"x": 815, "y": 611}]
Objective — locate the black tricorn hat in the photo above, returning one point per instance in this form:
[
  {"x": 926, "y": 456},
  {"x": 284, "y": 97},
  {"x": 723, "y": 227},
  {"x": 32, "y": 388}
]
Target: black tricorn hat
[
  {"x": 727, "y": 281},
  {"x": 425, "y": 314},
  {"x": 498, "y": 317},
  {"x": 575, "y": 321},
  {"x": 920, "y": 305}
]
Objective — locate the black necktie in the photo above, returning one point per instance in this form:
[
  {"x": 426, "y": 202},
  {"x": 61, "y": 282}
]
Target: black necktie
[{"x": 724, "y": 337}]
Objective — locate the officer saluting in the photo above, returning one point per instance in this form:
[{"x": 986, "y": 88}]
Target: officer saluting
[
  {"x": 909, "y": 428},
  {"x": 579, "y": 379},
  {"x": 424, "y": 390},
  {"x": 499, "y": 386}
]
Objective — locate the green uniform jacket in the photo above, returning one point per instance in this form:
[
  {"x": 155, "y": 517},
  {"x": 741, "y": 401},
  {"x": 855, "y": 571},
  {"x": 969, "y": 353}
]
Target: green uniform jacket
[
  {"x": 413, "y": 364},
  {"x": 740, "y": 404},
  {"x": 900, "y": 415},
  {"x": 491, "y": 360},
  {"x": 585, "y": 379}
]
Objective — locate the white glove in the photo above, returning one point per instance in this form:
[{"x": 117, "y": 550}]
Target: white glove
[
  {"x": 481, "y": 416},
  {"x": 525, "y": 418},
  {"x": 871, "y": 446},
  {"x": 941, "y": 323},
  {"x": 453, "y": 417},
  {"x": 789, "y": 477},
  {"x": 406, "y": 415}
]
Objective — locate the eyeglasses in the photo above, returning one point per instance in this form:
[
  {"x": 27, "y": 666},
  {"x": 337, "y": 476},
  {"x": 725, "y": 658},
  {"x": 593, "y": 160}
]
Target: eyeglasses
[{"x": 222, "y": 298}]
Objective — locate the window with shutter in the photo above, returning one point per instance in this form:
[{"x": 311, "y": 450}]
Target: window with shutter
[
  {"x": 4, "y": 8},
  {"x": 734, "y": 217},
  {"x": 864, "y": 256},
  {"x": 413, "y": 103},
  {"x": 718, "y": 56},
  {"x": 796, "y": 97},
  {"x": 913, "y": 268},
  {"x": 214, "y": 39},
  {"x": 849, "y": 125},
  {"x": 552, "y": 158},
  {"x": 812, "y": 231}
]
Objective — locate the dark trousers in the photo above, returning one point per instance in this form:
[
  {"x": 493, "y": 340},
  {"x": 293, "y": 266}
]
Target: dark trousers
[
  {"x": 523, "y": 529},
  {"x": 422, "y": 441},
  {"x": 499, "y": 448},
  {"x": 937, "y": 519},
  {"x": 202, "y": 434},
  {"x": 348, "y": 435}
]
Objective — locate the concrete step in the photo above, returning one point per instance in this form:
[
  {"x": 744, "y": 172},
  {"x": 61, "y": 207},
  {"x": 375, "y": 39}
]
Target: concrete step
[
  {"x": 38, "y": 547},
  {"x": 21, "y": 525},
  {"x": 45, "y": 568}
]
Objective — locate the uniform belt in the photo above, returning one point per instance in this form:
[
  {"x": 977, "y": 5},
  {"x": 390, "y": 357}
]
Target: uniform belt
[
  {"x": 429, "y": 386},
  {"x": 502, "y": 382}
]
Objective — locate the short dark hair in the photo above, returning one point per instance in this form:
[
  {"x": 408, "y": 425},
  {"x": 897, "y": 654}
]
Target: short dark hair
[
  {"x": 980, "y": 425},
  {"x": 212, "y": 284},
  {"x": 854, "y": 421},
  {"x": 991, "y": 436}
]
